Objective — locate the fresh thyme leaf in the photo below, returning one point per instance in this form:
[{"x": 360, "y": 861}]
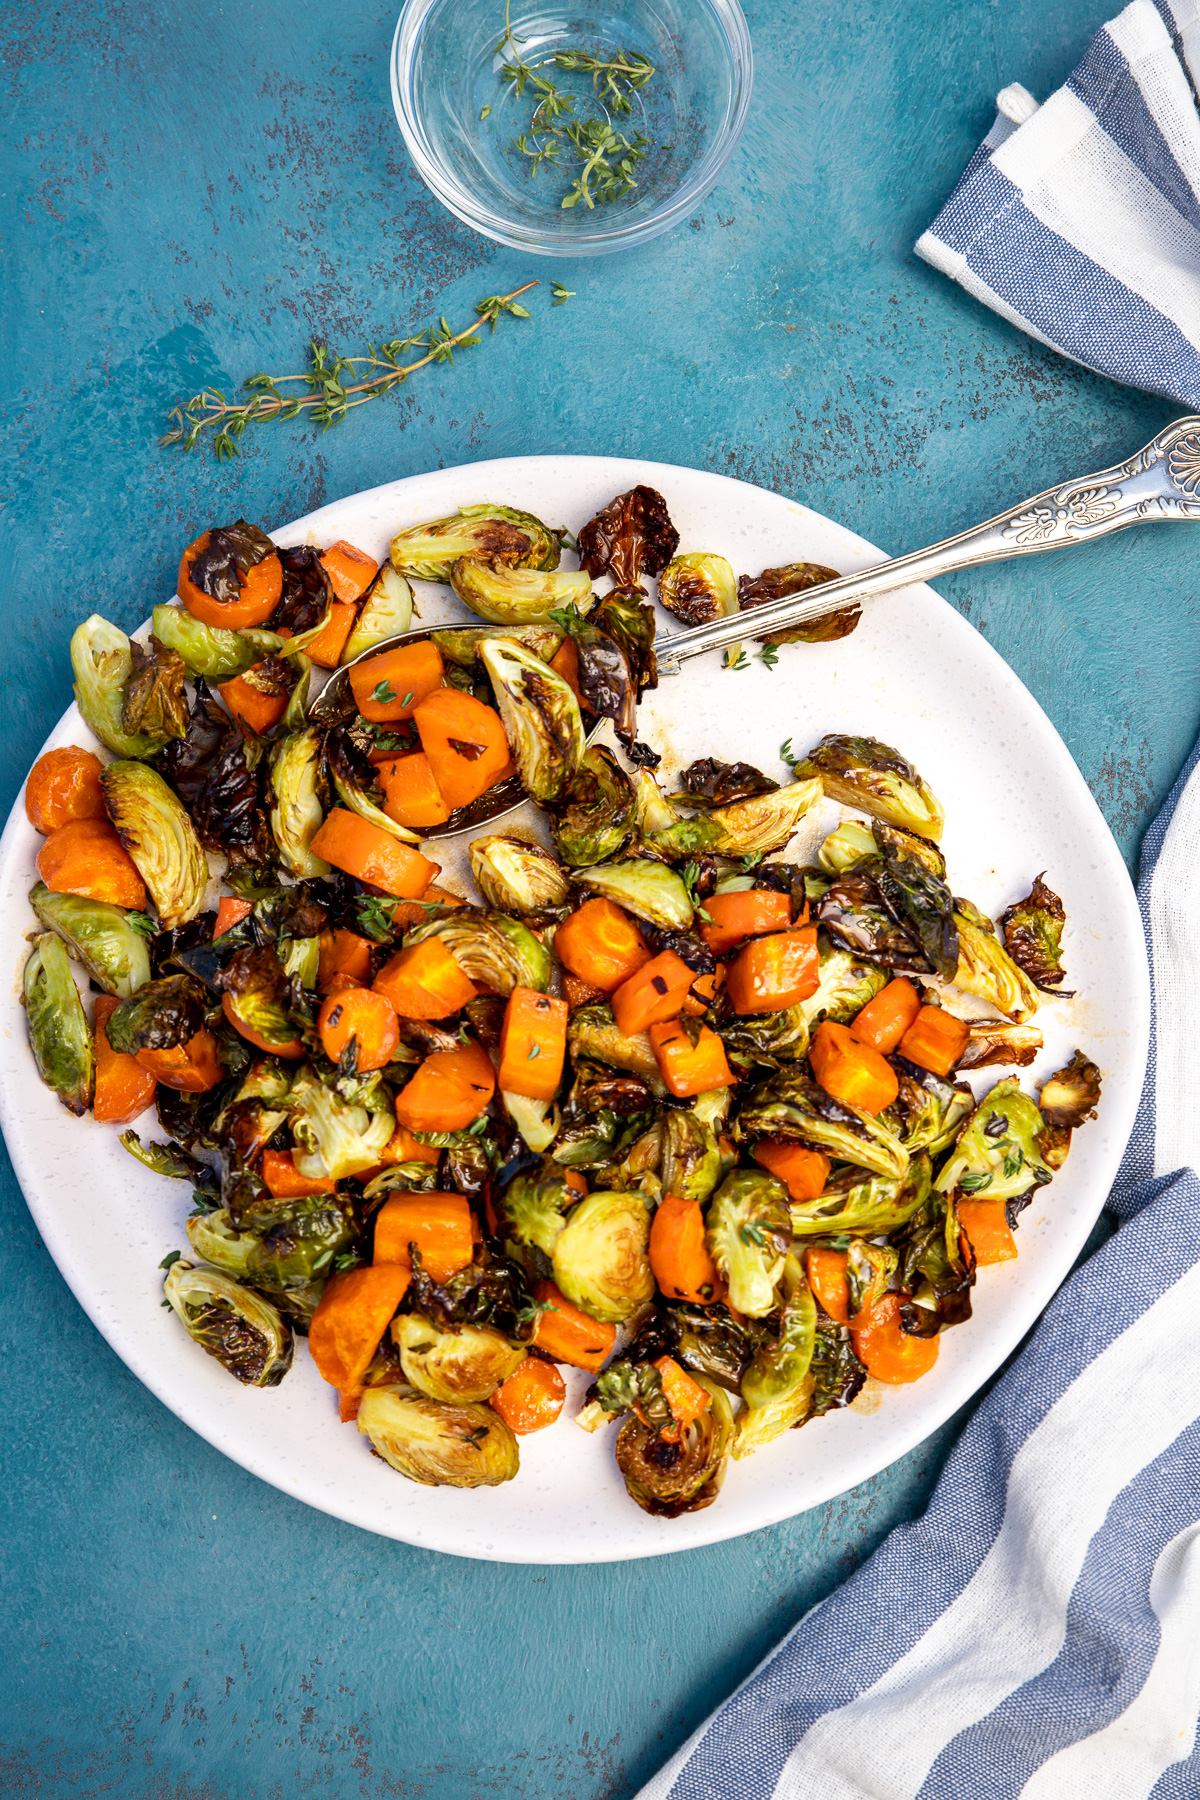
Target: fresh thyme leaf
[
  {"x": 142, "y": 923},
  {"x": 170, "y": 1258},
  {"x": 560, "y": 294},
  {"x": 974, "y": 1184},
  {"x": 768, "y": 656},
  {"x": 735, "y": 658},
  {"x": 787, "y": 755},
  {"x": 485, "y": 112},
  {"x": 383, "y": 693}
]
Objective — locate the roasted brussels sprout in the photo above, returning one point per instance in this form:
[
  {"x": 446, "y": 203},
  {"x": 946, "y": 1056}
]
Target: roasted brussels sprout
[
  {"x": 461, "y": 644},
  {"x": 748, "y": 1231},
  {"x": 59, "y": 1034},
  {"x": 464, "y": 1446},
  {"x": 296, "y": 808},
  {"x": 987, "y": 970},
  {"x": 500, "y": 533},
  {"x": 647, "y": 889},
  {"x": 514, "y": 876},
  {"x": 765, "y": 1040},
  {"x": 631, "y": 536},
  {"x": 764, "y": 823},
  {"x": 498, "y": 952},
  {"x": 997, "y": 1153},
  {"x": 845, "y": 984},
  {"x": 708, "y": 782},
  {"x": 541, "y": 717},
  {"x": 508, "y": 596},
  {"x": 604, "y": 679},
  {"x": 593, "y": 1032},
  {"x": 229, "y": 555},
  {"x": 598, "y": 812},
  {"x": 231, "y": 1322},
  {"x": 928, "y": 1110},
  {"x": 460, "y": 1366},
  {"x": 210, "y": 650},
  {"x": 292, "y": 1242},
  {"x": 837, "y": 1375},
  {"x": 112, "y": 950},
  {"x": 691, "y": 1158},
  {"x": 844, "y": 849},
  {"x": 159, "y": 836},
  {"x": 386, "y": 613},
  {"x": 652, "y": 810},
  {"x": 627, "y": 617},
  {"x": 155, "y": 704},
  {"x": 873, "y": 1205},
  {"x": 218, "y": 776},
  {"x": 780, "y": 1364},
  {"x": 158, "y": 1016},
  {"x": 1072, "y": 1095},
  {"x": 790, "y": 1106},
  {"x": 994, "y": 1041},
  {"x": 1033, "y": 930},
  {"x": 698, "y": 587},
  {"x": 537, "y": 1121},
  {"x": 333, "y": 1137},
  {"x": 919, "y": 898},
  {"x": 599, "y": 1258},
  {"x": 668, "y": 1476},
  {"x": 103, "y": 660},
  {"x": 795, "y": 578},
  {"x": 532, "y": 1208},
  {"x": 761, "y": 1425},
  {"x": 853, "y": 913},
  {"x": 862, "y": 772}
]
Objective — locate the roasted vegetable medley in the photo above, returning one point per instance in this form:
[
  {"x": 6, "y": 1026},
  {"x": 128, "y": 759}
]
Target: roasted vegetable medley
[{"x": 655, "y": 1102}]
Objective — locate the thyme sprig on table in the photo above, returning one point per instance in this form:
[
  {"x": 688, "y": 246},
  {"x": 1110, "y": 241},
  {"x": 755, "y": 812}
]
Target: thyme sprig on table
[{"x": 332, "y": 389}]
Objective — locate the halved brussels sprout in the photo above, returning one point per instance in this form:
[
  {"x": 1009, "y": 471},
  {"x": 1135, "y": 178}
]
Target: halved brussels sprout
[
  {"x": 231, "y": 1322},
  {"x": 748, "y": 1231},
  {"x": 593, "y": 1032},
  {"x": 764, "y": 823},
  {"x": 508, "y": 596},
  {"x": 699, "y": 587},
  {"x": 631, "y": 536},
  {"x": 649, "y": 890},
  {"x": 1033, "y": 930},
  {"x": 862, "y": 772},
  {"x": 210, "y": 650},
  {"x": 386, "y": 613},
  {"x": 692, "y": 1164},
  {"x": 600, "y": 1261},
  {"x": 296, "y": 810},
  {"x": 652, "y": 810},
  {"x": 514, "y": 876},
  {"x": 780, "y": 1364},
  {"x": 292, "y": 1243},
  {"x": 155, "y": 703},
  {"x": 460, "y": 1366},
  {"x": 464, "y": 1446},
  {"x": 501, "y": 533},
  {"x": 928, "y": 1110},
  {"x": 333, "y": 1137},
  {"x": 851, "y": 844},
  {"x": 914, "y": 893},
  {"x": 995, "y": 1041},
  {"x": 159, "y": 835},
  {"x": 532, "y": 1208},
  {"x": 876, "y": 1204},
  {"x": 59, "y": 1034},
  {"x": 791, "y": 1107},
  {"x": 761, "y": 1425},
  {"x": 102, "y": 660},
  {"x": 1071, "y": 1095},
  {"x": 997, "y": 1154},
  {"x": 538, "y": 1121},
  {"x": 99, "y": 936},
  {"x": 461, "y": 644},
  {"x": 301, "y": 958},
  {"x": 541, "y": 717},
  {"x": 796, "y": 578},
  {"x": 158, "y": 1016},
  {"x": 498, "y": 952},
  {"x": 765, "y": 1040},
  {"x": 597, "y": 816},
  {"x": 987, "y": 970},
  {"x": 668, "y": 1477},
  {"x": 296, "y": 716}
]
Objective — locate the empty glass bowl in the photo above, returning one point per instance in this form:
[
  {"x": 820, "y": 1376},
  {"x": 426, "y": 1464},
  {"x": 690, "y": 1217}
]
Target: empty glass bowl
[{"x": 459, "y": 116}]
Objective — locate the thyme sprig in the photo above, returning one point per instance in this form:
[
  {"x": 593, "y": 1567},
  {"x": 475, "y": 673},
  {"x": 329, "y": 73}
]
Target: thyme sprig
[{"x": 332, "y": 390}]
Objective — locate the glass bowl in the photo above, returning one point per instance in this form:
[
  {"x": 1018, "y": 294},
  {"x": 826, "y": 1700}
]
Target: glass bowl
[{"x": 459, "y": 116}]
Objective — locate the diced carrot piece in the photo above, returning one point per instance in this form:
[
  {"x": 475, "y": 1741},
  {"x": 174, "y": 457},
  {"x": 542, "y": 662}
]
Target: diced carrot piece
[
  {"x": 343, "y": 952},
  {"x": 257, "y": 599},
  {"x": 826, "y": 1271},
  {"x": 689, "y": 1068},
  {"x": 732, "y": 917},
  {"x": 565, "y": 662},
  {"x": 803, "y": 1172},
  {"x": 370, "y": 853},
  {"x": 465, "y": 743},
  {"x": 449, "y": 1090},
  {"x": 284, "y": 1180},
  {"x": 773, "y": 973},
  {"x": 988, "y": 1231},
  {"x": 935, "y": 1040},
  {"x": 531, "y": 1398},
  {"x": 261, "y": 712},
  {"x": 326, "y": 648},
  {"x": 886, "y": 1349},
  {"x": 851, "y": 1072},
  {"x": 64, "y": 785},
  {"x": 533, "y": 1044},
  {"x": 350, "y": 570},
  {"x": 230, "y": 912},
  {"x": 411, "y": 795},
  {"x": 685, "y": 1397},
  {"x": 123, "y": 1087},
  {"x": 192, "y": 1068},
  {"x": 601, "y": 944},
  {"x": 86, "y": 857},
  {"x": 425, "y": 982},
  {"x": 352, "y": 1315},
  {"x": 577, "y": 1181},
  {"x": 392, "y": 684},
  {"x": 704, "y": 992},
  {"x": 440, "y": 1225},
  {"x": 884, "y": 1020},
  {"x": 578, "y": 992},
  {"x": 679, "y": 1256},
  {"x": 655, "y": 992},
  {"x": 366, "y": 1016},
  {"x": 568, "y": 1335}
]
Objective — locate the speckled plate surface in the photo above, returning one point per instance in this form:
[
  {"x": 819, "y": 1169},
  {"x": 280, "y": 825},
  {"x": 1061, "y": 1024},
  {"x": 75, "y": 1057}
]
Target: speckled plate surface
[{"x": 914, "y": 674}]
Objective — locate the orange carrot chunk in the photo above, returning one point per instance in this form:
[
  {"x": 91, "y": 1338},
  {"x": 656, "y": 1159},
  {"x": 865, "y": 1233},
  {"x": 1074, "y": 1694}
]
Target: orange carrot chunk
[
  {"x": 679, "y": 1256},
  {"x": 440, "y": 1225},
  {"x": 826, "y": 1271},
  {"x": 367, "y": 1017},
  {"x": 465, "y": 743},
  {"x": 370, "y": 853},
  {"x": 257, "y": 599},
  {"x": 193, "y": 1067},
  {"x": 123, "y": 1087},
  {"x": 987, "y": 1228},
  {"x": 230, "y": 912},
  {"x": 449, "y": 1090},
  {"x": 350, "y": 570},
  {"x": 391, "y": 685},
  {"x": 886, "y": 1349},
  {"x": 342, "y": 952},
  {"x": 425, "y": 982},
  {"x": 411, "y": 796},
  {"x": 86, "y": 857},
  {"x": 284, "y": 1180},
  {"x": 568, "y": 1335},
  {"x": 689, "y": 1068},
  {"x": 565, "y": 662},
  {"x": 733, "y": 917},
  {"x": 803, "y": 1172},
  {"x": 261, "y": 712},
  {"x": 685, "y": 1397},
  {"x": 773, "y": 973},
  {"x": 326, "y": 648},
  {"x": 655, "y": 992},
  {"x": 851, "y": 1072},
  {"x": 531, "y": 1398},
  {"x": 533, "y": 1044},
  {"x": 935, "y": 1040},
  {"x": 884, "y": 1020},
  {"x": 352, "y": 1315},
  {"x": 601, "y": 944},
  {"x": 63, "y": 785}
]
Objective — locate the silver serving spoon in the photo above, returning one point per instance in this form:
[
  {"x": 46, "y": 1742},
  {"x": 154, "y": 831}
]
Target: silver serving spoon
[{"x": 1162, "y": 481}]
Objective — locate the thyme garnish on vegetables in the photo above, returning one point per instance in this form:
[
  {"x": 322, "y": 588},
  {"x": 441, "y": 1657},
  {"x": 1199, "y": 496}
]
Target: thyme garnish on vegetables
[{"x": 330, "y": 395}]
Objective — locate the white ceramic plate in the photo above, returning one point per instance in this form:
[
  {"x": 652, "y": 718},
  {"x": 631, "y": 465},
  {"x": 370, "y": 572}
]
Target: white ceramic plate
[{"x": 914, "y": 674}]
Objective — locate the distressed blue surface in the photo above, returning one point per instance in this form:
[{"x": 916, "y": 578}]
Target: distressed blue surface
[{"x": 188, "y": 192}]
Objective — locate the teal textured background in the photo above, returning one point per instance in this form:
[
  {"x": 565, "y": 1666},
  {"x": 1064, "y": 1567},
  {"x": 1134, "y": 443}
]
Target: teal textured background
[{"x": 189, "y": 191}]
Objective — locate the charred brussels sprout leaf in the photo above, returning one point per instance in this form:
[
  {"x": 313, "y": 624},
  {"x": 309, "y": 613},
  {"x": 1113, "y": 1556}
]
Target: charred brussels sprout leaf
[
  {"x": 709, "y": 1341},
  {"x": 464, "y": 1446},
  {"x": 231, "y": 1322},
  {"x": 624, "y": 1386},
  {"x": 993, "y": 1041},
  {"x": 652, "y": 810},
  {"x": 712, "y": 783},
  {"x": 597, "y": 814},
  {"x": 853, "y": 913},
  {"x": 462, "y": 1365},
  {"x": 1072, "y": 1095},
  {"x": 1033, "y": 931},
  {"x": 795, "y": 578},
  {"x": 292, "y": 1242},
  {"x": 99, "y": 936},
  {"x": 514, "y": 876},
  {"x": 837, "y": 1374},
  {"x": 162, "y": 1159},
  {"x": 306, "y": 596},
  {"x": 160, "y": 1015},
  {"x": 632, "y": 536},
  {"x": 928, "y": 1110},
  {"x": 212, "y": 774},
  {"x": 877, "y": 1204},
  {"x": 599, "y": 1258},
  {"x": 541, "y": 717},
  {"x": 933, "y": 1271},
  {"x": 748, "y": 1231},
  {"x": 59, "y": 1035},
  {"x": 210, "y": 650},
  {"x": 918, "y": 898},
  {"x": 159, "y": 836},
  {"x": 862, "y": 772},
  {"x": 765, "y": 1040},
  {"x": 155, "y": 703},
  {"x": 333, "y": 1137},
  {"x": 508, "y": 596},
  {"x": 997, "y": 1155},
  {"x": 757, "y": 826},
  {"x": 606, "y": 684},
  {"x": 845, "y": 984},
  {"x": 352, "y": 772},
  {"x": 498, "y": 952},
  {"x": 592, "y": 1032},
  {"x": 668, "y": 1477},
  {"x": 386, "y": 612},
  {"x": 102, "y": 659},
  {"x": 500, "y": 533},
  {"x": 791, "y": 1107},
  {"x": 296, "y": 802},
  {"x": 987, "y": 970},
  {"x": 691, "y": 1158},
  {"x": 461, "y": 645},
  {"x": 628, "y": 619},
  {"x": 231, "y": 552},
  {"x": 648, "y": 890},
  {"x": 698, "y": 588}
]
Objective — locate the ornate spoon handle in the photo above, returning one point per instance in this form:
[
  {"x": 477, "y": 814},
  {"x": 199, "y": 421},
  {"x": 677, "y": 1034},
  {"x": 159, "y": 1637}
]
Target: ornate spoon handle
[{"x": 1161, "y": 482}]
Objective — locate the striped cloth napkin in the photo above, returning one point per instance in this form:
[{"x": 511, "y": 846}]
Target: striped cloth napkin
[
  {"x": 1079, "y": 220},
  {"x": 1037, "y": 1633}
]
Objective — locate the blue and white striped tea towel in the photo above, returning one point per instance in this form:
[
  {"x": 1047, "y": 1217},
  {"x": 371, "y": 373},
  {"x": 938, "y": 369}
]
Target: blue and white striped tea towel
[
  {"x": 1037, "y": 1633},
  {"x": 1079, "y": 220}
]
